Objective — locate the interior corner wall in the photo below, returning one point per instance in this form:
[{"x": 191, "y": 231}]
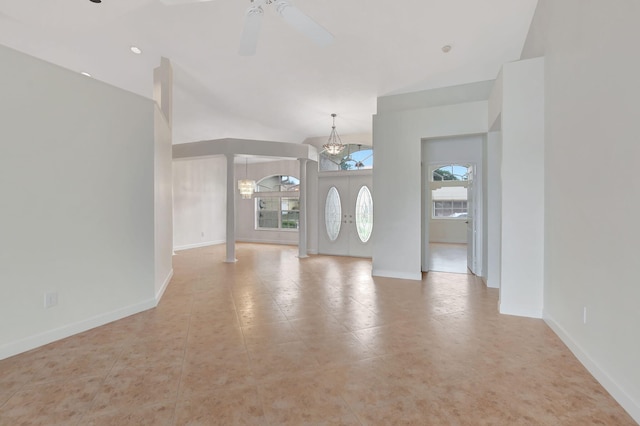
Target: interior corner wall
[
  {"x": 591, "y": 160},
  {"x": 522, "y": 183},
  {"x": 76, "y": 178},
  {"x": 199, "y": 202},
  {"x": 163, "y": 203},
  {"x": 397, "y": 179},
  {"x": 493, "y": 207},
  {"x": 313, "y": 209}
]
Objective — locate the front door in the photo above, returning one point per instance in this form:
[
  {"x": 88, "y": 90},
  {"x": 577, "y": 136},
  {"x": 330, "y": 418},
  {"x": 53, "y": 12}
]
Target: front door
[{"x": 346, "y": 213}]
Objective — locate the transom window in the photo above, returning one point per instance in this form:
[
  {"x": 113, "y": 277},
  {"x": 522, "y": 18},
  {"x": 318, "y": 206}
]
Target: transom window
[
  {"x": 278, "y": 183},
  {"x": 353, "y": 157},
  {"x": 278, "y": 206},
  {"x": 451, "y": 172}
]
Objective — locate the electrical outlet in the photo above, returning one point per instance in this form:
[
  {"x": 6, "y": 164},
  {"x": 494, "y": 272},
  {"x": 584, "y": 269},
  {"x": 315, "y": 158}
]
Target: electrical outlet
[
  {"x": 202, "y": 234},
  {"x": 50, "y": 300},
  {"x": 584, "y": 315}
]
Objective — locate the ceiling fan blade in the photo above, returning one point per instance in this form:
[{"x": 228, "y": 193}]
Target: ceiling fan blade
[
  {"x": 301, "y": 22},
  {"x": 177, "y": 2},
  {"x": 251, "y": 31}
]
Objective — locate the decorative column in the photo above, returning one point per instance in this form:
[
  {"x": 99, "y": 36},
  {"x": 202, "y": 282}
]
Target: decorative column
[
  {"x": 302, "y": 226},
  {"x": 231, "y": 209}
]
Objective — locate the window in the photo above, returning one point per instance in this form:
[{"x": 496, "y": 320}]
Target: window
[
  {"x": 333, "y": 214},
  {"x": 354, "y": 157},
  {"x": 449, "y": 202},
  {"x": 450, "y": 198},
  {"x": 449, "y": 209},
  {"x": 364, "y": 214},
  {"x": 278, "y": 206},
  {"x": 451, "y": 172},
  {"x": 278, "y": 183}
]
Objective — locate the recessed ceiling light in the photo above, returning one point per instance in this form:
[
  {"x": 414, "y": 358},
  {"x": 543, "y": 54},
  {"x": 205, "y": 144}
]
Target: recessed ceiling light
[
  {"x": 84, "y": 72},
  {"x": 136, "y": 50},
  {"x": 446, "y": 48}
]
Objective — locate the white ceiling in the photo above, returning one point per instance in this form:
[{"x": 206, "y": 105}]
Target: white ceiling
[{"x": 287, "y": 91}]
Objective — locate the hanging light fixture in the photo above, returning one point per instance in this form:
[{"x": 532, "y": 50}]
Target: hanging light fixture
[
  {"x": 334, "y": 145},
  {"x": 246, "y": 186}
]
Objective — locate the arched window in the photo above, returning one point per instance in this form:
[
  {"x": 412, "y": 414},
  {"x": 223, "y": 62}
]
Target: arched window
[
  {"x": 353, "y": 157},
  {"x": 451, "y": 172},
  {"x": 278, "y": 203},
  {"x": 278, "y": 183}
]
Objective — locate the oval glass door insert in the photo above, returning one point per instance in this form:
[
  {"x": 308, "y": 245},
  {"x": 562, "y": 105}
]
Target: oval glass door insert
[
  {"x": 364, "y": 214},
  {"x": 333, "y": 213}
]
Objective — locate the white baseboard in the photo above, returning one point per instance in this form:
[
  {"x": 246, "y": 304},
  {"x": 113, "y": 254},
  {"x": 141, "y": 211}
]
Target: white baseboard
[
  {"x": 160, "y": 292},
  {"x": 260, "y": 241},
  {"x": 492, "y": 283},
  {"x": 196, "y": 245},
  {"x": 32, "y": 342},
  {"x": 617, "y": 392},
  {"x": 397, "y": 274},
  {"x": 520, "y": 311}
]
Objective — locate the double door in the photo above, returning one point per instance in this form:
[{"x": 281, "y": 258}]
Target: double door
[{"x": 346, "y": 213}]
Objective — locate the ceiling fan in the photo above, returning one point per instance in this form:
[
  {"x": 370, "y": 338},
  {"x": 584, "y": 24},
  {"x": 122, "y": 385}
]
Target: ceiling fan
[{"x": 253, "y": 21}]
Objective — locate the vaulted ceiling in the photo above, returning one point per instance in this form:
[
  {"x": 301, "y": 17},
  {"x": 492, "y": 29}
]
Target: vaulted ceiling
[{"x": 287, "y": 91}]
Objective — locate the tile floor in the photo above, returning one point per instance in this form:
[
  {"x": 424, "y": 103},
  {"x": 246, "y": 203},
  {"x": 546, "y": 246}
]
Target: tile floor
[
  {"x": 445, "y": 257},
  {"x": 274, "y": 340}
]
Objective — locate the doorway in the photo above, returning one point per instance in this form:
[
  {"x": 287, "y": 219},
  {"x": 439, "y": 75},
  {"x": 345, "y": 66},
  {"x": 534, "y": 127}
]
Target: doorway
[
  {"x": 448, "y": 257},
  {"x": 346, "y": 213},
  {"x": 452, "y": 219}
]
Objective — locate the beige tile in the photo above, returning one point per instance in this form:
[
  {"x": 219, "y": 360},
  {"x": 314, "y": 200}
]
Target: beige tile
[
  {"x": 203, "y": 372},
  {"x": 339, "y": 349},
  {"x": 320, "y": 326},
  {"x": 53, "y": 403},
  {"x": 284, "y": 360},
  {"x": 276, "y": 340},
  {"x": 127, "y": 387},
  {"x": 147, "y": 415},
  {"x": 308, "y": 402},
  {"x": 277, "y": 332},
  {"x": 233, "y": 406}
]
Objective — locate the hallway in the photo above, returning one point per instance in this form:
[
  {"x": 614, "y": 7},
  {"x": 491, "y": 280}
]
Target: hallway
[
  {"x": 275, "y": 340},
  {"x": 448, "y": 258}
]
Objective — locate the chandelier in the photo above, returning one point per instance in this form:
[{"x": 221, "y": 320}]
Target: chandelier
[
  {"x": 334, "y": 145},
  {"x": 246, "y": 186}
]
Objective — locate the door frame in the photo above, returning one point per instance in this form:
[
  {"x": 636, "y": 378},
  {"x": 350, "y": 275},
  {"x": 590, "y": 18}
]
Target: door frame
[{"x": 450, "y": 157}]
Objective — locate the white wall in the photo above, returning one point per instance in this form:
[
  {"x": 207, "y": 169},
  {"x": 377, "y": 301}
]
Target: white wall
[
  {"x": 453, "y": 231},
  {"x": 591, "y": 118},
  {"x": 163, "y": 203},
  {"x": 493, "y": 208},
  {"x": 77, "y": 205},
  {"x": 522, "y": 185},
  {"x": 199, "y": 202},
  {"x": 397, "y": 188}
]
